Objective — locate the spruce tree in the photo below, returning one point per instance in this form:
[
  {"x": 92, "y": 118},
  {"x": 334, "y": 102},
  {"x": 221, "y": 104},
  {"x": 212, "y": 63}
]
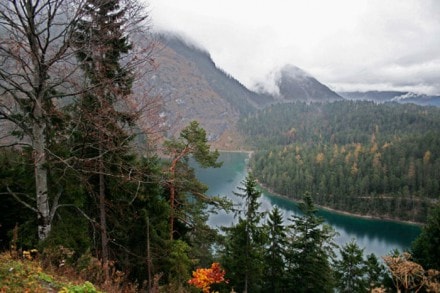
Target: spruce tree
[
  {"x": 101, "y": 140},
  {"x": 375, "y": 272},
  {"x": 243, "y": 256},
  {"x": 350, "y": 269},
  {"x": 275, "y": 252},
  {"x": 425, "y": 249},
  {"x": 310, "y": 252}
]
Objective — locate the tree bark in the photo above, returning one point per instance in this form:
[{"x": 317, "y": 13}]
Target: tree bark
[
  {"x": 102, "y": 219},
  {"x": 149, "y": 260},
  {"x": 172, "y": 184},
  {"x": 40, "y": 161}
]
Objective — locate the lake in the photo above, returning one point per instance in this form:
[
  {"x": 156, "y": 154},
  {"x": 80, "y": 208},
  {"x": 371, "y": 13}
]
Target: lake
[{"x": 375, "y": 236}]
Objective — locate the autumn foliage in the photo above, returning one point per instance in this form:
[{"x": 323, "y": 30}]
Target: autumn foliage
[{"x": 203, "y": 278}]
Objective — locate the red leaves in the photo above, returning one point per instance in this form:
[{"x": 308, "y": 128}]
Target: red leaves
[{"x": 204, "y": 278}]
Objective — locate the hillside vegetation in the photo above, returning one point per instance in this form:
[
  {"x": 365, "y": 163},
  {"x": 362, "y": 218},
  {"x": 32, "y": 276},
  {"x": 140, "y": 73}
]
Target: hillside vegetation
[
  {"x": 27, "y": 275},
  {"x": 361, "y": 157}
]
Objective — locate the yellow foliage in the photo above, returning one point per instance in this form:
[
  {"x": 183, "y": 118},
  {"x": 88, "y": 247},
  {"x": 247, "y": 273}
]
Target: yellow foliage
[
  {"x": 376, "y": 161},
  {"x": 374, "y": 148},
  {"x": 386, "y": 145},
  {"x": 348, "y": 157},
  {"x": 357, "y": 150},
  {"x": 426, "y": 157},
  {"x": 354, "y": 169},
  {"x": 320, "y": 158}
]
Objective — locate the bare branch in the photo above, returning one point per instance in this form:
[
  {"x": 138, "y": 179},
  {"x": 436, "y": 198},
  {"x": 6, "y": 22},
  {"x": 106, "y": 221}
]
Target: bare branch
[{"x": 15, "y": 195}]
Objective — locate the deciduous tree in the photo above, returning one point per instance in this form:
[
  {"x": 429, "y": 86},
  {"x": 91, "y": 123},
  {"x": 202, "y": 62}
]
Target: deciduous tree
[{"x": 35, "y": 71}]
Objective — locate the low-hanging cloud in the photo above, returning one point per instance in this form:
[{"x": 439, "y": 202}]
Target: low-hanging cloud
[{"x": 348, "y": 45}]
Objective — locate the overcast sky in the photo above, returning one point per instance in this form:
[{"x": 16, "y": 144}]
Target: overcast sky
[{"x": 346, "y": 44}]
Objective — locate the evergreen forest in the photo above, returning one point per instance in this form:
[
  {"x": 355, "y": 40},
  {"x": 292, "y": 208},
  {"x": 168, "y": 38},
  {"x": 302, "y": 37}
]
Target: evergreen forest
[
  {"x": 366, "y": 158},
  {"x": 88, "y": 193}
]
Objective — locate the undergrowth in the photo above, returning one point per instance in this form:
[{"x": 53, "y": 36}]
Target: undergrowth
[{"x": 23, "y": 275}]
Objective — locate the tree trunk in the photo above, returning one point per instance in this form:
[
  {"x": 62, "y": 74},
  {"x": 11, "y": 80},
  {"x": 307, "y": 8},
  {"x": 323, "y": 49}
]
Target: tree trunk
[
  {"x": 40, "y": 170},
  {"x": 172, "y": 184},
  {"x": 172, "y": 199},
  {"x": 102, "y": 219},
  {"x": 149, "y": 262}
]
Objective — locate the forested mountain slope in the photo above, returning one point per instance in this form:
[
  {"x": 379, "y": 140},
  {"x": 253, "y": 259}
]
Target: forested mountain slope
[
  {"x": 380, "y": 160},
  {"x": 193, "y": 88}
]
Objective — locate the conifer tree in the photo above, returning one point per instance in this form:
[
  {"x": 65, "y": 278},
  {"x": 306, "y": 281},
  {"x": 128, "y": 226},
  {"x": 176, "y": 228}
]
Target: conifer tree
[
  {"x": 191, "y": 142},
  {"x": 425, "y": 249},
  {"x": 350, "y": 269},
  {"x": 101, "y": 137},
  {"x": 311, "y": 251},
  {"x": 243, "y": 256},
  {"x": 275, "y": 252},
  {"x": 375, "y": 272}
]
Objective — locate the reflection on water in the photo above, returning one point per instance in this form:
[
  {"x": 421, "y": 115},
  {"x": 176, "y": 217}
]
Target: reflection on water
[{"x": 376, "y": 236}]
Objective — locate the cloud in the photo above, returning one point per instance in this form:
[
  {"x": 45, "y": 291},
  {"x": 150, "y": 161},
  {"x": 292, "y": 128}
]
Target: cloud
[{"x": 369, "y": 44}]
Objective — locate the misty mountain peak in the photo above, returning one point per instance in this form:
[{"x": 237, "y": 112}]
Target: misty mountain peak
[
  {"x": 294, "y": 72},
  {"x": 297, "y": 85}
]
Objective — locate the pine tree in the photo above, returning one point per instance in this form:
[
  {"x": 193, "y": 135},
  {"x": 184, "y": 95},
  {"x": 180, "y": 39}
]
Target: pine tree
[
  {"x": 425, "y": 249},
  {"x": 375, "y": 272},
  {"x": 181, "y": 178},
  {"x": 243, "y": 255},
  {"x": 350, "y": 269},
  {"x": 101, "y": 141},
  {"x": 310, "y": 253},
  {"x": 275, "y": 252}
]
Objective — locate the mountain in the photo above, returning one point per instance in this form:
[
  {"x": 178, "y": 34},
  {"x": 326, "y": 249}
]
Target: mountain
[
  {"x": 222, "y": 83},
  {"x": 393, "y": 96},
  {"x": 296, "y": 85},
  {"x": 194, "y": 88}
]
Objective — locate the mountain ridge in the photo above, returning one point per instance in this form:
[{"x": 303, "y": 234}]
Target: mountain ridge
[
  {"x": 193, "y": 87},
  {"x": 393, "y": 96}
]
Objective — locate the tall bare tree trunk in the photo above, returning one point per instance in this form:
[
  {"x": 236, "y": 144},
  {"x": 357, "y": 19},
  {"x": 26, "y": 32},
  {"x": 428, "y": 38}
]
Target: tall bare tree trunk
[
  {"x": 39, "y": 144},
  {"x": 149, "y": 261},
  {"x": 172, "y": 199},
  {"x": 40, "y": 74},
  {"x": 102, "y": 218},
  {"x": 40, "y": 161}
]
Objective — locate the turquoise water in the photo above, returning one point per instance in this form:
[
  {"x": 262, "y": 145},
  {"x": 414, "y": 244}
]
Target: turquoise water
[{"x": 375, "y": 236}]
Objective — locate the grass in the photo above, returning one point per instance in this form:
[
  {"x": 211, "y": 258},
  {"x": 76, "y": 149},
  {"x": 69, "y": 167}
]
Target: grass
[{"x": 22, "y": 275}]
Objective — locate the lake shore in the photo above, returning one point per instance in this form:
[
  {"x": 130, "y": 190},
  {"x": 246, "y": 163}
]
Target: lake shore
[{"x": 268, "y": 190}]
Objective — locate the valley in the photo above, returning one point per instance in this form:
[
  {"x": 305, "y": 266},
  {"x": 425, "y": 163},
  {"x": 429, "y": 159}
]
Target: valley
[
  {"x": 110, "y": 172},
  {"x": 346, "y": 145}
]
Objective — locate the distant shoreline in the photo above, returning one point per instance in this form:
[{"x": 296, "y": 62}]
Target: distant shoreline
[
  {"x": 320, "y": 206},
  {"x": 388, "y": 219}
]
